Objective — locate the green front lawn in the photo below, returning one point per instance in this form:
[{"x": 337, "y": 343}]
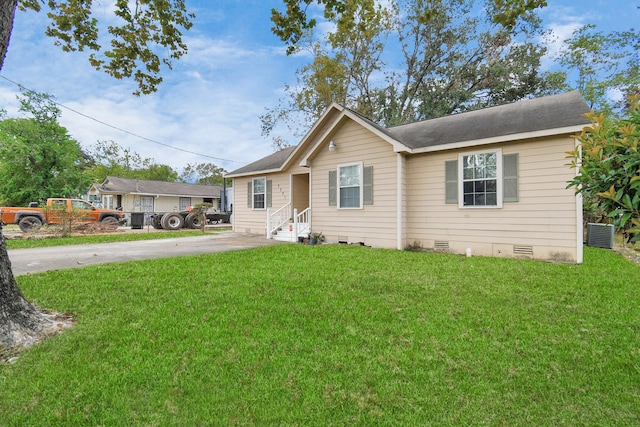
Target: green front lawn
[
  {"x": 334, "y": 335},
  {"x": 38, "y": 241}
]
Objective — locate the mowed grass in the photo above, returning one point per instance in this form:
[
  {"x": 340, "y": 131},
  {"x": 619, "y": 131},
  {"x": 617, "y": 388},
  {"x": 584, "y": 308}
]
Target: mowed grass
[
  {"x": 37, "y": 241},
  {"x": 334, "y": 335}
]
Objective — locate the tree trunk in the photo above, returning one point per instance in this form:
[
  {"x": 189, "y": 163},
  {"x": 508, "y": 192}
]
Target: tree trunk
[
  {"x": 7, "y": 14},
  {"x": 21, "y": 324}
]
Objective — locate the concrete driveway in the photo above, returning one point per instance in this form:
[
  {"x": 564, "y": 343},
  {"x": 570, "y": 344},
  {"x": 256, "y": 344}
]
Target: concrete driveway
[{"x": 26, "y": 261}]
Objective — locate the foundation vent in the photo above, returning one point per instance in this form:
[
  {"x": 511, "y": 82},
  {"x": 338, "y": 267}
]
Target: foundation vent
[
  {"x": 440, "y": 245},
  {"x": 523, "y": 250}
]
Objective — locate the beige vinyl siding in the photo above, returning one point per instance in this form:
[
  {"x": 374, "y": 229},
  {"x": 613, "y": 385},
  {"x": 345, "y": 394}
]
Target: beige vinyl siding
[
  {"x": 543, "y": 220},
  {"x": 374, "y": 225},
  {"x": 250, "y": 221},
  {"x": 253, "y": 221},
  {"x": 402, "y": 201}
]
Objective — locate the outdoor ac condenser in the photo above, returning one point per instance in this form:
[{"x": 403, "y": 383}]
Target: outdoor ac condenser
[{"x": 600, "y": 235}]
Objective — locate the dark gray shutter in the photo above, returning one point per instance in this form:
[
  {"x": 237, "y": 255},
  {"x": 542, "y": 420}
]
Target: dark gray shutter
[
  {"x": 250, "y": 194},
  {"x": 510, "y": 178},
  {"x": 367, "y": 180},
  {"x": 333, "y": 188},
  {"x": 451, "y": 181},
  {"x": 268, "y": 195}
]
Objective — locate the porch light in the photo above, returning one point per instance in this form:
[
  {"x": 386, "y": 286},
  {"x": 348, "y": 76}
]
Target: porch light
[{"x": 332, "y": 146}]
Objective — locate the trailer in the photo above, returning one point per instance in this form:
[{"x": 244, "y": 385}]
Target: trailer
[{"x": 187, "y": 219}]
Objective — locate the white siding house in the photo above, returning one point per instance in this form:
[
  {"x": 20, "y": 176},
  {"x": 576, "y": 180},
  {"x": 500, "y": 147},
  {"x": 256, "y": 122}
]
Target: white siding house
[{"x": 139, "y": 195}]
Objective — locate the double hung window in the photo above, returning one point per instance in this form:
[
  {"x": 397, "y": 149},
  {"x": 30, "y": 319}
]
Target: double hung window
[
  {"x": 259, "y": 193},
  {"x": 350, "y": 186},
  {"x": 480, "y": 179},
  {"x": 184, "y": 203}
]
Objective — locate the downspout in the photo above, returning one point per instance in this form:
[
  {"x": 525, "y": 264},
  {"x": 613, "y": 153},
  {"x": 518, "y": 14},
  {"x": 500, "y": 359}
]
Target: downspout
[
  {"x": 579, "y": 214},
  {"x": 400, "y": 166}
]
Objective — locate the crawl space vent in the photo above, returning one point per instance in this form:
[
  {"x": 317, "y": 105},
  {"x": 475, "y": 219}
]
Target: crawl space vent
[
  {"x": 439, "y": 245},
  {"x": 523, "y": 250}
]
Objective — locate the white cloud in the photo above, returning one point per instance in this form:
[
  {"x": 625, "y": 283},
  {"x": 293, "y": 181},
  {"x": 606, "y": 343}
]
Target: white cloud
[
  {"x": 208, "y": 104},
  {"x": 561, "y": 22}
]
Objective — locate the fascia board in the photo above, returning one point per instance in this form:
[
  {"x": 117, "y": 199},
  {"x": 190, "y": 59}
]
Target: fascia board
[
  {"x": 500, "y": 139},
  {"x": 253, "y": 173}
]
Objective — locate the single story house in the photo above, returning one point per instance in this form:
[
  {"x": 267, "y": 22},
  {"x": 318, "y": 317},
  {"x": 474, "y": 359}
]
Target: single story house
[
  {"x": 490, "y": 182},
  {"x": 139, "y": 195}
]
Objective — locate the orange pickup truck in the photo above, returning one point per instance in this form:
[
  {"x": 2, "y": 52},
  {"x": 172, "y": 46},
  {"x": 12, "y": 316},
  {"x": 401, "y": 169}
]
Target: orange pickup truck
[{"x": 33, "y": 216}]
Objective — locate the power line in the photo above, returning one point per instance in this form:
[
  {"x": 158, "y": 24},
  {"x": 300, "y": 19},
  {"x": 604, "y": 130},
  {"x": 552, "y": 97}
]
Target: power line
[{"x": 122, "y": 130}]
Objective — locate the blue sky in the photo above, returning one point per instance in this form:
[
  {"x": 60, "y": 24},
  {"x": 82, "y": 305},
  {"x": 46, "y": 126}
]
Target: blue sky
[{"x": 210, "y": 103}]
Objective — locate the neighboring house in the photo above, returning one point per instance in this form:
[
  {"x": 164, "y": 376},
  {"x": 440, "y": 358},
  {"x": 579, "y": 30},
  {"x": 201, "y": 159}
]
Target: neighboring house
[
  {"x": 139, "y": 195},
  {"x": 489, "y": 182}
]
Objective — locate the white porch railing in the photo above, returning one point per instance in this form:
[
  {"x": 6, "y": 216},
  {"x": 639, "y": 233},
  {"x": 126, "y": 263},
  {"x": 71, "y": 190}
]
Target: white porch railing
[
  {"x": 277, "y": 219},
  {"x": 301, "y": 222},
  {"x": 279, "y": 223}
]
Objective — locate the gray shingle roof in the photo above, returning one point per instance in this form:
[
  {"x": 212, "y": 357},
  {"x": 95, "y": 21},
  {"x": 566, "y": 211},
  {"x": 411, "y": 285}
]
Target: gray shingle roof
[
  {"x": 550, "y": 112},
  {"x": 141, "y": 186},
  {"x": 522, "y": 117},
  {"x": 272, "y": 161}
]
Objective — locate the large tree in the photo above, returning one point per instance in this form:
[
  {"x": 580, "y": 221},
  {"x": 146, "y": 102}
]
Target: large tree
[
  {"x": 604, "y": 67},
  {"x": 148, "y": 27},
  {"x": 149, "y": 35},
  {"x": 292, "y": 24},
  {"x": 202, "y": 174},
  {"x": 413, "y": 60},
  {"x": 38, "y": 158},
  {"x": 108, "y": 158}
]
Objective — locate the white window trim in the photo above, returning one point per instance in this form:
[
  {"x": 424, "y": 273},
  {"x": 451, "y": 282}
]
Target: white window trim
[
  {"x": 184, "y": 199},
  {"x": 107, "y": 201},
  {"x": 360, "y": 184},
  {"x": 499, "y": 178},
  {"x": 253, "y": 193}
]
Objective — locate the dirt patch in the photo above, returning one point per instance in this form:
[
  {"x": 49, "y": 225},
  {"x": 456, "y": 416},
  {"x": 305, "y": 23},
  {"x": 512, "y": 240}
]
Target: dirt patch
[
  {"x": 52, "y": 323},
  {"x": 630, "y": 253},
  {"x": 82, "y": 229}
]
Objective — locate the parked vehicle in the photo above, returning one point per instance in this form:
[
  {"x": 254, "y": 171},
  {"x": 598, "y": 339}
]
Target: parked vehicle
[
  {"x": 187, "y": 219},
  {"x": 55, "y": 211}
]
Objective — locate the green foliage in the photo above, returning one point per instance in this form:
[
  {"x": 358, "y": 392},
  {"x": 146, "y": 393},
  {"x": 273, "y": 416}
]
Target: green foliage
[
  {"x": 147, "y": 36},
  {"x": 44, "y": 241},
  {"x": 508, "y": 12},
  {"x": 333, "y": 336},
  {"x": 609, "y": 164},
  {"x": 111, "y": 159},
  {"x": 453, "y": 59},
  {"x": 598, "y": 64},
  {"x": 292, "y": 24},
  {"x": 38, "y": 158},
  {"x": 203, "y": 174}
]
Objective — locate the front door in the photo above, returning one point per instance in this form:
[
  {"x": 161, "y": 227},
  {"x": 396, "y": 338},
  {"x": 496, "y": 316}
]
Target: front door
[{"x": 300, "y": 192}]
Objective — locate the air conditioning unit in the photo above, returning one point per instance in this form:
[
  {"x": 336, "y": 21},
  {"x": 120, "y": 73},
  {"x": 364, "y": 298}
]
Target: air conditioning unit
[{"x": 600, "y": 235}]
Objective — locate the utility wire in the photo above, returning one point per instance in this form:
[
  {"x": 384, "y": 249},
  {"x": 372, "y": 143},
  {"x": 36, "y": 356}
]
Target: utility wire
[{"x": 120, "y": 129}]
